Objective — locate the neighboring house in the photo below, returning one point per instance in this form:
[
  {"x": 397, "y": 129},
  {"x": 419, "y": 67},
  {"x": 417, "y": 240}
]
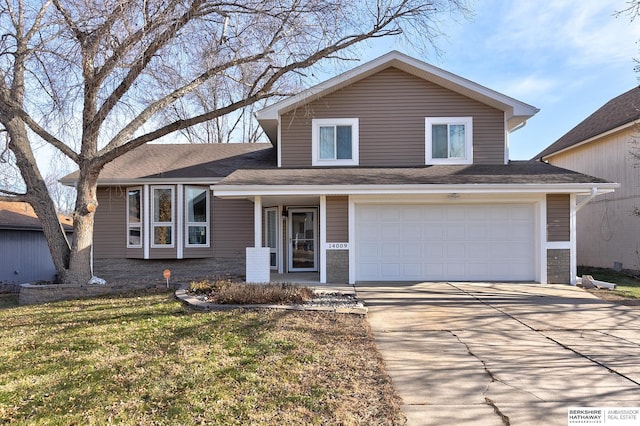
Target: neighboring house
[
  {"x": 608, "y": 233},
  {"x": 24, "y": 253},
  {"x": 393, "y": 171}
]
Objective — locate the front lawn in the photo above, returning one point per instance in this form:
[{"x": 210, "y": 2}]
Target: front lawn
[
  {"x": 149, "y": 360},
  {"x": 627, "y": 285}
]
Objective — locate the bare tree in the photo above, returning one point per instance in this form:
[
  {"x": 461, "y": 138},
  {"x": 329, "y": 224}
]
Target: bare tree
[{"x": 94, "y": 78}]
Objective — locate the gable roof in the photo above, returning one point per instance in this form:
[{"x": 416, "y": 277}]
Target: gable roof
[
  {"x": 516, "y": 112},
  {"x": 182, "y": 163},
  {"x": 20, "y": 216},
  {"x": 618, "y": 112}
]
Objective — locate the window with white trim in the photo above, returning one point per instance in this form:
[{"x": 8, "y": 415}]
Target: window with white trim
[
  {"x": 197, "y": 216},
  {"x": 162, "y": 216},
  {"x": 334, "y": 142},
  {"x": 134, "y": 217},
  {"x": 449, "y": 140}
]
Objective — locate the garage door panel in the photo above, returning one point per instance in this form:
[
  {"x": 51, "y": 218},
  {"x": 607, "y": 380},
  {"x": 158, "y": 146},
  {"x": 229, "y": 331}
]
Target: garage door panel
[{"x": 445, "y": 242}]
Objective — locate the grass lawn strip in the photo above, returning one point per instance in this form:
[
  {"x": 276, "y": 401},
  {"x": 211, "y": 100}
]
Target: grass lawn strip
[
  {"x": 149, "y": 360},
  {"x": 627, "y": 284}
]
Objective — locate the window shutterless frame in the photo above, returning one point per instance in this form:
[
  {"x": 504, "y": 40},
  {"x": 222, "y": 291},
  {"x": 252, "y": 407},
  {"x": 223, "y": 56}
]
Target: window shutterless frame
[
  {"x": 335, "y": 142},
  {"x": 197, "y": 216},
  {"x": 162, "y": 216},
  {"x": 134, "y": 217},
  {"x": 449, "y": 140}
]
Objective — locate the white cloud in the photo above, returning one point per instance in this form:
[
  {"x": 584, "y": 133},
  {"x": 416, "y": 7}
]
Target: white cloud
[{"x": 577, "y": 32}]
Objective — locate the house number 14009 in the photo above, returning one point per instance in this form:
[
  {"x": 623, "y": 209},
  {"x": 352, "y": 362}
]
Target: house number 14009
[{"x": 338, "y": 246}]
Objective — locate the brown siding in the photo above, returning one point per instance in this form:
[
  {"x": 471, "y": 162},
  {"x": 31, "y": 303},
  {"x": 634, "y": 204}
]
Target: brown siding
[
  {"x": 232, "y": 227},
  {"x": 391, "y": 106},
  {"x": 558, "y": 221},
  {"x": 337, "y": 219},
  {"x": 110, "y": 227}
]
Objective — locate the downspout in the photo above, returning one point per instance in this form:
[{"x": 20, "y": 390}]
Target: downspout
[{"x": 594, "y": 192}]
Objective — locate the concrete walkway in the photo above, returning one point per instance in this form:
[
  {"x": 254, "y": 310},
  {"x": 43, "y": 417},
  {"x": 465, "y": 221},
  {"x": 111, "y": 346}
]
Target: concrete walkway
[{"x": 496, "y": 354}]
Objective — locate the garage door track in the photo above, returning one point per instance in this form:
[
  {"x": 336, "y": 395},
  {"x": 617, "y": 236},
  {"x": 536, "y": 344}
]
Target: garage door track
[{"x": 496, "y": 354}]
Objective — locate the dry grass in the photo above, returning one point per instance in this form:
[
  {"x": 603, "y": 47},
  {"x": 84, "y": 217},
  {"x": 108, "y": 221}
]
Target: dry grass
[
  {"x": 238, "y": 293},
  {"x": 147, "y": 360}
]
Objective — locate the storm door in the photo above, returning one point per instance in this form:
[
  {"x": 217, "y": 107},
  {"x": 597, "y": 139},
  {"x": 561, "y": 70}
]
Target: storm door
[{"x": 303, "y": 253}]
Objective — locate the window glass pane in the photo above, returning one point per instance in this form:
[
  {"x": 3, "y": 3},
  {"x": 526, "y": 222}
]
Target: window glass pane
[
  {"x": 343, "y": 142},
  {"x": 272, "y": 228},
  {"x": 456, "y": 141},
  {"x": 439, "y": 145},
  {"x": 162, "y": 205},
  {"x": 134, "y": 206},
  {"x": 162, "y": 235},
  {"x": 134, "y": 237},
  {"x": 327, "y": 146},
  {"x": 197, "y": 234},
  {"x": 196, "y": 205}
]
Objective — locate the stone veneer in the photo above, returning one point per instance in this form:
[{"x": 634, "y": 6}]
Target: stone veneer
[
  {"x": 559, "y": 266},
  {"x": 125, "y": 275},
  {"x": 338, "y": 266}
]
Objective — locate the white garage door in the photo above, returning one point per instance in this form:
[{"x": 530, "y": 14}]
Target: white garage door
[{"x": 445, "y": 243}]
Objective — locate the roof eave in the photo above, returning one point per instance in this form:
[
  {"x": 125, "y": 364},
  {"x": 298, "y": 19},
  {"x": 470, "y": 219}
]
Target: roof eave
[
  {"x": 387, "y": 189},
  {"x": 593, "y": 138}
]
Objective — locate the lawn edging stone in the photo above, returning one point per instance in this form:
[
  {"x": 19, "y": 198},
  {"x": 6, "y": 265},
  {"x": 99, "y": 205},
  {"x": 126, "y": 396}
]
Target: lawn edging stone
[{"x": 189, "y": 299}]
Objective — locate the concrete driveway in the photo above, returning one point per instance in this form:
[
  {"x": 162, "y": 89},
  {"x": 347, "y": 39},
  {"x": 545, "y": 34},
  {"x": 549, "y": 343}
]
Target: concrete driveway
[{"x": 495, "y": 354}]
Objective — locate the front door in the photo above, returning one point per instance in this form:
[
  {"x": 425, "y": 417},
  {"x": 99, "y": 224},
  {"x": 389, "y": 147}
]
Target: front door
[{"x": 303, "y": 253}]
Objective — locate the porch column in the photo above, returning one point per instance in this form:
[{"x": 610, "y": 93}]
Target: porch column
[
  {"x": 257, "y": 268},
  {"x": 322, "y": 252},
  {"x": 257, "y": 221}
]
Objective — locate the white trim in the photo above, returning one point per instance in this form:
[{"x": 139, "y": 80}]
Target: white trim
[
  {"x": 279, "y": 142},
  {"x": 322, "y": 249},
  {"x": 147, "y": 220},
  {"x": 139, "y": 224},
  {"x": 312, "y": 190},
  {"x": 179, "y": 221},
  {"x": 171, "y": 224},
  {"x": 207, "y": 224},
  {"x": 506, "y": 140},
  {"x": 281, "y": 239},
  {"x": 542, "y": 238},
  {"x": 316, "y": 123},
  {"x": 266, "y": 229},
  {"x": 559, "y": 245},
  {"x": 429, "y": 122},
  {"x": 593, "y": 138},
  {"x": 257, "y": 221},
  {"x": 352, "y": 239},
  {"x": 573, "y": 240}
]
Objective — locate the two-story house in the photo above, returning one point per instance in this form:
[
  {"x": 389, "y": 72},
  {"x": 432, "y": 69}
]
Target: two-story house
[{"x": 393, "y": 171}]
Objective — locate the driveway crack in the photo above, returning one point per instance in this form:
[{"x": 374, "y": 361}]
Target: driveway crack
[
  {"x": 492, "y": 377},
  {"x": 541, "y": 333}
]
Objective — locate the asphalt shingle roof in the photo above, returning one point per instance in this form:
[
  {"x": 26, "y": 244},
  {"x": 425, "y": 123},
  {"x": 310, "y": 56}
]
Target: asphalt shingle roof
[
  {"x": 618, "y": 111},
  {"x": 16, "y": 215},
  {"x": 185, "y": 161},
  {"x": 516, "y": 172}
]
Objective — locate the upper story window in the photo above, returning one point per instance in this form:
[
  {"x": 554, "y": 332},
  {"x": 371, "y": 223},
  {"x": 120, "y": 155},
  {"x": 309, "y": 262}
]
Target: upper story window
[
  {"x": 335, "y": 142},
  {"x": 162, "y": 216},
  {"x": 449, "y": 140},
  {"x": 197, "y": 216},
  {"x": 134, "y": 217}
]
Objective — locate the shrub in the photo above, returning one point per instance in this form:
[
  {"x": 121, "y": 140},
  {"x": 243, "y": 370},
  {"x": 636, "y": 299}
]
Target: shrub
[{"x": 228, "y": 292}]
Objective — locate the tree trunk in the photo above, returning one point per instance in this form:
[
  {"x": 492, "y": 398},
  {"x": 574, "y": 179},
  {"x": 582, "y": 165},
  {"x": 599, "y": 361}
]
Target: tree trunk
[
  {"x": 80, "y": 270},
  {"x": 38, "y": 196}
]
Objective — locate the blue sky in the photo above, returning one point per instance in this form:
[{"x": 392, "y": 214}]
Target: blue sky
[{"x": 565, "y": 57}]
